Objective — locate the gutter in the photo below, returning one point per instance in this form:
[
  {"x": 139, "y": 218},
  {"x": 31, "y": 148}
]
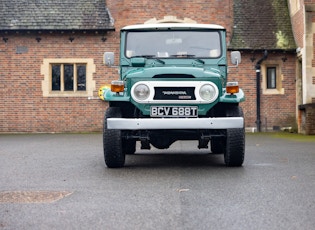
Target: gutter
[{"x": 258, "y": 77}]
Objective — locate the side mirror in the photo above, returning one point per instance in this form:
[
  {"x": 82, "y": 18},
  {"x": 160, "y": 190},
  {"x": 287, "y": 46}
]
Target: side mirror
[
  {"x": 109, "y": 58},
  {"x": 236, "y": 57}
]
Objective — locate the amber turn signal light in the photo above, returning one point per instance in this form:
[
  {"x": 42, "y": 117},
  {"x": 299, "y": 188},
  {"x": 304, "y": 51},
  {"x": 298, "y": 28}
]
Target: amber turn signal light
[
  {"x": 232, "y": 87},
  {"x": 117, "y": 86}
]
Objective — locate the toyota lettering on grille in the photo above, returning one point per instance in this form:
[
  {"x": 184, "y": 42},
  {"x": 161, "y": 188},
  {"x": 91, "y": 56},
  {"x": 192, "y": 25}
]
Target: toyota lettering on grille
[
  {"x": 174, "y": 93},
  {"x": 181, "y": 94}
]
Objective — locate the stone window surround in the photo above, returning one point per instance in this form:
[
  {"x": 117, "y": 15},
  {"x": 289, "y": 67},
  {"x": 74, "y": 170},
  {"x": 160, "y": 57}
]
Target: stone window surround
[
  {"x": 46, "y": 83},
  {"x": 278, "y": 89}
]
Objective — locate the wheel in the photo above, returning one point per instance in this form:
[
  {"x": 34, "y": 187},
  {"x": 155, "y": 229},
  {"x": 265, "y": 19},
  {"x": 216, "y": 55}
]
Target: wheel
[
  {"x": 234, "y": 149},
  {"x": 112, "y": 143}
]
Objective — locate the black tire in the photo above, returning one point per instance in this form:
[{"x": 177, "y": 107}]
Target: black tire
[
  {"x": 112, "y": 142},
  {"x": 234, "y": 151},
  {"x": 235, "y": 148}
]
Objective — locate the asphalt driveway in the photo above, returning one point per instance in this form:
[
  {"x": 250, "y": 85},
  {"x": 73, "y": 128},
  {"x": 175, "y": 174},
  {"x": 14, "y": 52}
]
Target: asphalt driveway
[{"x": 59, "y": 181}]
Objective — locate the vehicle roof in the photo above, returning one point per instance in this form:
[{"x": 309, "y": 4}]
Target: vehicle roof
[{"x": 170, "y": 26}]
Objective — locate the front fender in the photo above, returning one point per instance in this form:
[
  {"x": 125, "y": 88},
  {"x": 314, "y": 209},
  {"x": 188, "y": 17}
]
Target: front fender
[
  {"x": 232, "y": 98},
  {"x": 106, "y": 94}
]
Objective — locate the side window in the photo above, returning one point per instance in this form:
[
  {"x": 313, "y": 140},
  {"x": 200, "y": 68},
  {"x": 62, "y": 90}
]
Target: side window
[
  {"x": 81, "y": 77},
  {"x": 68, "y": 77},
  {"x": 55, "y": 77},
  {"x": 272, "y": 78}
]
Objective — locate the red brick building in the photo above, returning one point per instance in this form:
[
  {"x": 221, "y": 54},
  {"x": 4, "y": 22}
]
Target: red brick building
[
  {"x": 51, "y": 58},
  {"x": 258, "y": 29},
  {"x": 38, "y": 37}
]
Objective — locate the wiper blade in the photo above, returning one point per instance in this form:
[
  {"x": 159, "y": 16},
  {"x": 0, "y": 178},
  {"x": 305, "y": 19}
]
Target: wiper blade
[
  {"x": 159, "y": 60},
  {"x": 150, "y": 56},
  {"x": 200, "y": 61},
  {"x": 183, "y": 55},
  {"x": 143, "y": 56}
]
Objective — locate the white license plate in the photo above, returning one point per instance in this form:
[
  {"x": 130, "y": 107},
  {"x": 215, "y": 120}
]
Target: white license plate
[{"x": 174, "y": 111}]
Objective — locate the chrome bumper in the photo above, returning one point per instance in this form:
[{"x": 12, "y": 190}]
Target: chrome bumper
[{"x": 175, "y": 123}]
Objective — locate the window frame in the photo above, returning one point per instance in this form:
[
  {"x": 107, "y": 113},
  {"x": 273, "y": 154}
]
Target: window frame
[
  {"x": 90, "y": 85},
  {"x": 166, "y": 51},
  {"x": 279, "y": 77}
]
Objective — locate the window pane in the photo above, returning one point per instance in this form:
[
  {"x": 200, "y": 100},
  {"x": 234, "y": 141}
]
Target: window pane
[
  {"x": 55, "y": 77},
  {"x": 81, "y": 73},
  {"x": 271, "y": 78},
  {"x": 68, "y": 77}
]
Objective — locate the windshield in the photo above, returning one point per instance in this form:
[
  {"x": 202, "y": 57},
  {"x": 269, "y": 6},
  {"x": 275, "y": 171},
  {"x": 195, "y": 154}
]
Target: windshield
[{"x": 170, "y": 44}]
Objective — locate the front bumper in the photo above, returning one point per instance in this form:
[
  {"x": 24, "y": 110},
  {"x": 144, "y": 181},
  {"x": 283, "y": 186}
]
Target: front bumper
[{"x": 174, "y": 123}]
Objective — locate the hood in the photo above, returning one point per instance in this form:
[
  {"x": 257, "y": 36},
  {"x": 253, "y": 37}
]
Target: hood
[{"x": 172, "y": 72}]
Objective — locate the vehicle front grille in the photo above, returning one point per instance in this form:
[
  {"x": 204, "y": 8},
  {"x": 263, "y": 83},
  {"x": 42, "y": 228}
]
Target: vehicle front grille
[{"x": 174, "y": 93}]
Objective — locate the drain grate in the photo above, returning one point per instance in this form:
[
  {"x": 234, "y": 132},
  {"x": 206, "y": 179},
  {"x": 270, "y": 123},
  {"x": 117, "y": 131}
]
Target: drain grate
[{"x": 32, "y": 196}]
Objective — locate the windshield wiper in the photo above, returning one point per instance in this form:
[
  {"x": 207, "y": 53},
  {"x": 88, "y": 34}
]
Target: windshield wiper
[
  {"x": 183, "y": 55},
  {"x": 143, "y": 56},
  {"x": 151, "y": 57},
  {"x": 159, "y": 60},
  {"x": 200, "y": 61}
]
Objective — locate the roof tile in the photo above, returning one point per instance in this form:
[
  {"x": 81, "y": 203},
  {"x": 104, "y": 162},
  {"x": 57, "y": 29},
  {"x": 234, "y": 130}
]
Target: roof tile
[
  {"x": 55, "y": 15},
  {"x": 262, "y": 25}
]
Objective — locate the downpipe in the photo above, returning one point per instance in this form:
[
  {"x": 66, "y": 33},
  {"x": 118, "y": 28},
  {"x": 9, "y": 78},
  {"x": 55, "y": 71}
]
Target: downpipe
[{"x": 258, "y": 86}]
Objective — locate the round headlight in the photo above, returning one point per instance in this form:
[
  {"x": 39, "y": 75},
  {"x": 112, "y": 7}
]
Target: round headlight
[
  {"x": 208, "y": 92},
  {"x": 141, "y": 92}
]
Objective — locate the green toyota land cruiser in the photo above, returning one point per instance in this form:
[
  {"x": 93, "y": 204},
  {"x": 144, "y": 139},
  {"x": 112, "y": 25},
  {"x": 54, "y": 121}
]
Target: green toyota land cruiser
[{"x": 173, "y": 86}]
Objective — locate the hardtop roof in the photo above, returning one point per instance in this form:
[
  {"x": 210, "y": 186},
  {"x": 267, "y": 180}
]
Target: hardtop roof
[{"x": 170, "y": 26}]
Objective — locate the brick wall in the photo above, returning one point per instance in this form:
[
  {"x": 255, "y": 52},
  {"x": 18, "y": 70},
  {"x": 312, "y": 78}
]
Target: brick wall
[
  {"x": 297, "y": 21},
  {"x": 309, "y": 2},
  {"x": 276, "y": 109},
  {"x": 307, "y": 119},
  {"x": 126, "y": 12},
  {"x": 23, "y": 107}
]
